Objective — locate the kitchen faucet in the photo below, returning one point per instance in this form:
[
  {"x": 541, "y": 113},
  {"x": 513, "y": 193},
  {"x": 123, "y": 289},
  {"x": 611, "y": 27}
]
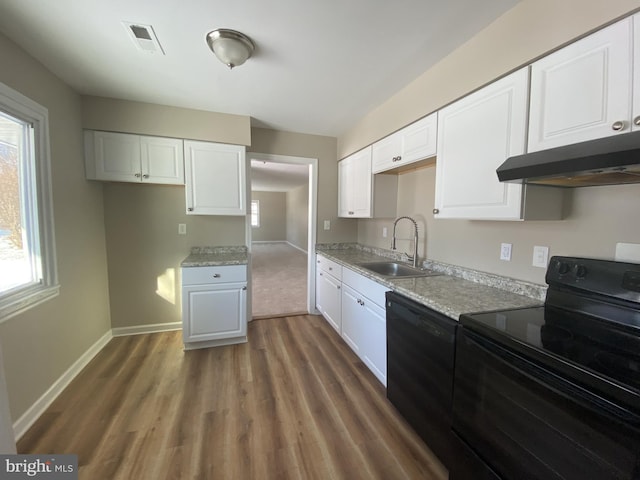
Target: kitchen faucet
[{"x": 414, "y": 258}]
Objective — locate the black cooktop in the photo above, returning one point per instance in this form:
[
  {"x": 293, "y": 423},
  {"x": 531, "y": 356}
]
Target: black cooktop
[{"x": 588, "y": 329}]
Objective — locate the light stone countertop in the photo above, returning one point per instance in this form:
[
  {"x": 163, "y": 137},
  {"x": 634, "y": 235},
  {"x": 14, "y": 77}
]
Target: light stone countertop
[
  {"x": 216, "y": 256},
  {"x": 453, "y": 293}
]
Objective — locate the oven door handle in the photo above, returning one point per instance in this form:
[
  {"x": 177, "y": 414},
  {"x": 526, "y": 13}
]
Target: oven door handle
[{"x": 548, "y": 379}]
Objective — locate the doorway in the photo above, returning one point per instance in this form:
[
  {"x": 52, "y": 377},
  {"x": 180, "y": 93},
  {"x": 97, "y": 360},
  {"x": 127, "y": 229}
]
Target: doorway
[{"x": 281, "y": 234}]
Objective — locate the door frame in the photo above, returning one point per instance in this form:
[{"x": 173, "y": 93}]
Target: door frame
[{"x": 312, "y": 219}]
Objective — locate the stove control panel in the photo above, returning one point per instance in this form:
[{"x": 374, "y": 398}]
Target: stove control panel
[{"x": 605, "y": 277}]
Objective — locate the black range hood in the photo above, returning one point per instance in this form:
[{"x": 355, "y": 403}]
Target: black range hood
[{"x": 606, "y": 161}]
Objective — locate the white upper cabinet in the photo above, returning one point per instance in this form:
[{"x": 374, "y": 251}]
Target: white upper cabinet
[
  {"x": 216, "y": 176},
  {"x": 121, "y": 157},
  {"x": 584, "y": 91},
  {"x": 411, "y": 144},
  {"x": 362, "y": 194},
  {"x": 475, "y": 135}
]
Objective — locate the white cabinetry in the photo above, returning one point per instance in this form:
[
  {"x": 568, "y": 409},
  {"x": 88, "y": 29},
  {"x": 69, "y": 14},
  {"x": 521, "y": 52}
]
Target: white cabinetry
[
  {"x": 360, "y": 195},
  {"x": 584, "y": 91},
  {"x": 411, "y": 144},
  {"x": 364, "y": 321},
  {"x": 475, "y": 136},
  {"x": 216, "y": 178},
  {"x": 121, "y": 157},
  {"x": 214, "y": 305},
  {"x": 328, "y": 291}
]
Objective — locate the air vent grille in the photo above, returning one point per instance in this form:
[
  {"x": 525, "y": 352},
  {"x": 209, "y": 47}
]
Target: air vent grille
[{"x": 144, "y": 37}]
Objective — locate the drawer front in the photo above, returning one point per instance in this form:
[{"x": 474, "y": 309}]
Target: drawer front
[
  {"x": 332, "y": 268},
  {"x": 365, "y": 286},
  {"x": 209, "y": 275}
]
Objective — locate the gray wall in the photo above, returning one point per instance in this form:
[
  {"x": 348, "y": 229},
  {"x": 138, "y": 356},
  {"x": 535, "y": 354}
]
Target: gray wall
[
  {"x": 298, "y": 217},
  {"x": 41, "y": 344},
  {"x": 273, "y": 217}
]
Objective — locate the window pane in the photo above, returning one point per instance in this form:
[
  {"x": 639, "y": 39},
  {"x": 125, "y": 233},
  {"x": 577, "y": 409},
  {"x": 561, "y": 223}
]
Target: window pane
[{"x": 18, "y": 237}]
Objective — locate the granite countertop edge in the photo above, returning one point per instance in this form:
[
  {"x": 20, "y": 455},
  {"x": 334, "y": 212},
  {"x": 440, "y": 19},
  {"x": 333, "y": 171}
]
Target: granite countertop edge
[
  {"x": 216, "y": 256},
  {"x": 457, "y": 291}
]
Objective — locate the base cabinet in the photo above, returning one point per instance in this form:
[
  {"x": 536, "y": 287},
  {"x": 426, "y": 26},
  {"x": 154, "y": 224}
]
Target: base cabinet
[{"x": 214, "y": 306}]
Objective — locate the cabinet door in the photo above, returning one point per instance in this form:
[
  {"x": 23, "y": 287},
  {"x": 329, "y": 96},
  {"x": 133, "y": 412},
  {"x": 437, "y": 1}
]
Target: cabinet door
[
  {"x": 328, "y": 299},
  {"x": 214, "y": 312},
  {"x": 579, "y": 92},
  {"x": 355, "y": 185},
  {"x": 475, "y": 135},
  {"x": 419, "y": 140},
  {"x": 386, "y": 153},
  {"x": 353, "y": 320},
  {"x": 116, "y": 157},
  {"x": 375, "y": 340},
  {"x": 215, "y": 178},
  {"x": 162, "y": 160}
]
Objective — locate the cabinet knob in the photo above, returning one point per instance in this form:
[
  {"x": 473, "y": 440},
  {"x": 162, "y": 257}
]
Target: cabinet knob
[
  {"x": 338, "y": 287},
  {"x": 617, "y": 126},
  {"x": 436, "y": 211},
  {"x": 216, "y": 275},
  {"x": 399, "y": 157},
  {"x": 350, "y": 213},
  {"x": 190, "y": 209},
  {"x": 636, "y": 121},
  {"x": 320, "y": 274},
  {"x": 137, "y": 175},
  {"x": 145, "y": 176},
  {"x": 244, "y": 288}
]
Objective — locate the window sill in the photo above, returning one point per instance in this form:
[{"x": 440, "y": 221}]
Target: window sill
[{"x": 21, "y": 301}]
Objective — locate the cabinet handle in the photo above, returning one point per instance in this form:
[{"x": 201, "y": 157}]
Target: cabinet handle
[
  {"x": 350, "y": 213},
  {"x": 617, "y": 126},
  {"x": 636, "y": 120},
  {"x": 145, "y": 176},
  {"x": 436, "y": 211},
  {"x": 216, "y": 275},
  {"x": 137, "y": 175},
  {"x": 190, "y": 209},
  {"x": 244, "y": 288}
]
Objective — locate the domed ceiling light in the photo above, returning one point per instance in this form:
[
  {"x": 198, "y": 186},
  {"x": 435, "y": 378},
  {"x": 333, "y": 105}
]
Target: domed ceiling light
[{"x": 231, "y": 47}]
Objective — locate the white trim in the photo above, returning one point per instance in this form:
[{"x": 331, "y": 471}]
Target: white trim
[
  {"x": 141, "y": 329},
  {"x": 296, "y": 247},
  {"x": 23, "y": 424},
  {"x": 263, "y": 242}
]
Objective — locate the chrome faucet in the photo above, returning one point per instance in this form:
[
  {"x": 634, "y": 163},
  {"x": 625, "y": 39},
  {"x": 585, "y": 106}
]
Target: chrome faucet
[{"x": 414, "y": 258}]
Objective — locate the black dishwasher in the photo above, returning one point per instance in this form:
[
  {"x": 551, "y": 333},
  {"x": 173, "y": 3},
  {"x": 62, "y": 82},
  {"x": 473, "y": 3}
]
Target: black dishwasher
[{"x": 420, "y": 358}]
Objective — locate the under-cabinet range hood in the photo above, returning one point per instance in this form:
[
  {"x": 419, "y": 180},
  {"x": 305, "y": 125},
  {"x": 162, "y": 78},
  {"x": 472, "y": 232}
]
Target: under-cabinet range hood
[{"x": 605, "y": 161}]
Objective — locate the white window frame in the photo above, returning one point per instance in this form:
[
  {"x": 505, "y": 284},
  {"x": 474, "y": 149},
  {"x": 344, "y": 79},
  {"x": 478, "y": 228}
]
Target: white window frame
[
  {"x": 257, "y": 204},
  {"x": 20, "y": 299}
]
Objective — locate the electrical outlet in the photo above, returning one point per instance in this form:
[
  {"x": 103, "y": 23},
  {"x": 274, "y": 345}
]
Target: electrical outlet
[
  {"x": 327, "y": 224},
  {"x": 182, "y": 229},
  {"x": 540, "y": 256},
  {"x": 505, "y": 251},
  {"x": 384, "y": 232}
]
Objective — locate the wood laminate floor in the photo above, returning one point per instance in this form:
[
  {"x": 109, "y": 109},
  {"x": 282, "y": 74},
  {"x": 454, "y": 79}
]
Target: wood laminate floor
[{"x": 293, "y": 403}]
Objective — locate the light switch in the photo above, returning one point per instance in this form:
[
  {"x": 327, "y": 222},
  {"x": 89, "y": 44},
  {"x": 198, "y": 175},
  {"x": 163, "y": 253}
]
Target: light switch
[
  {"x": 327, "y": 224},
  {"x": 540, "y": 256},
  {"x": 505, "y": 251},
  {"x": 182, "y": 229}
]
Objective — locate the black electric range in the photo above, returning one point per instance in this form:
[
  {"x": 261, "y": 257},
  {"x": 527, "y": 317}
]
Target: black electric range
[{"x": 566, "y": 375}]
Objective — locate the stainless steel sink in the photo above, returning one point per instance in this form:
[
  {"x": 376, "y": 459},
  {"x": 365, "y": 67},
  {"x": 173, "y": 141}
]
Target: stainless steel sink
[{"x": 397, "y": 270}]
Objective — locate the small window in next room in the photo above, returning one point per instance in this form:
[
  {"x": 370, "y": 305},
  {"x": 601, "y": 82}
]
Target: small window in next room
[
  {"x": 27, "y": 251},
  {"x": 255, "y": 213}
]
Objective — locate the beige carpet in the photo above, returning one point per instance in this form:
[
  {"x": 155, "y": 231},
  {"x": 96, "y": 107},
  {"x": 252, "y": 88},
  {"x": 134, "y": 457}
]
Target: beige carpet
[{"x": 279, "y": 280}]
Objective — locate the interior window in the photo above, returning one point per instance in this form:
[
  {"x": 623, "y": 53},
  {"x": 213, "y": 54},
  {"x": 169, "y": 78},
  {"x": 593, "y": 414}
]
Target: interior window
[
  {"x": 255, "y": 213},
  {"x": 27, "y": 260}
]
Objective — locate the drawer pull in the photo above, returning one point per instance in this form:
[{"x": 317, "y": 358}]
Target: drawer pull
[{"x": 216, "y": 275}]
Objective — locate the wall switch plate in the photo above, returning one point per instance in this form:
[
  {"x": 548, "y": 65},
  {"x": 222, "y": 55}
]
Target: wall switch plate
[
  {"x": 327, "y": 224},
  {"x": 384, "y": 232},
  {"x": 182, "y": 229},
  {"x": 505, "y": 251},
  {"x": 540, "y": 256}
]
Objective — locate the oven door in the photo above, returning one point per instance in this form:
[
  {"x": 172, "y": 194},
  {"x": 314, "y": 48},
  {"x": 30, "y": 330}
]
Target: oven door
[{"x": 525, "y": 422}]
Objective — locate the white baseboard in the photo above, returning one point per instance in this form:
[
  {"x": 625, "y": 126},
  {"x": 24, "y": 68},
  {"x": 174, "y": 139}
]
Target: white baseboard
[
  {"x": 21, "y": 425},
  {"x": 141, "y": 329},
  {"x": 297, "y": 247}
]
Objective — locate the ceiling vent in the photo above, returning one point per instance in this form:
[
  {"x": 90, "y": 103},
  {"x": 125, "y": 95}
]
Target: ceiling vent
[{"x": 144, "y": 37}]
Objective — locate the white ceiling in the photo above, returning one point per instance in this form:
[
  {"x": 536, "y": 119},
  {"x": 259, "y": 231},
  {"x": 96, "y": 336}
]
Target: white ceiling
[
  {"x": 319, "y": 65},
  {"x": 269, "y": 176}
]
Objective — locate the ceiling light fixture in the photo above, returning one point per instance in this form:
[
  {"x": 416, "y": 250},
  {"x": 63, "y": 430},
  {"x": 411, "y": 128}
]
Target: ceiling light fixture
[{"x": 232, "y": 48}]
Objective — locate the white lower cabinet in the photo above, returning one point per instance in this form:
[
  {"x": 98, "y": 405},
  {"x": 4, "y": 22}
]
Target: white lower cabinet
[
  {"x": 364, "y": 321},
  {"x": 328, "y": 298},
  {"x": 214, "y": 306}
]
